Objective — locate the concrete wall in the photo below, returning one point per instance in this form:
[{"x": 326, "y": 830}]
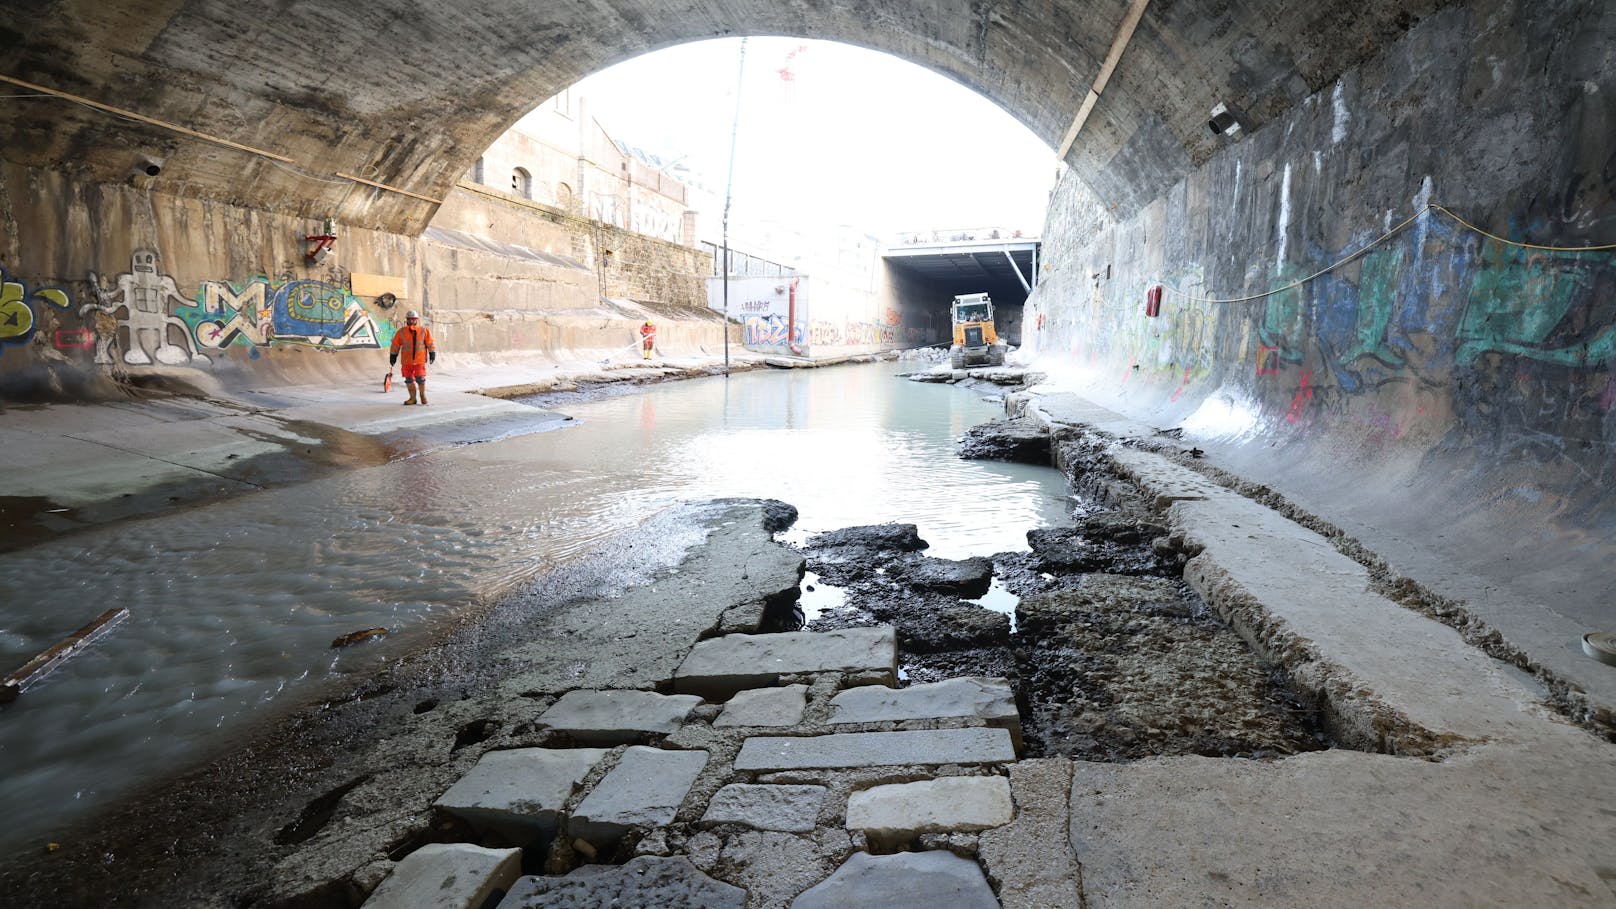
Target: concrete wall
[
  {"x": 1453, "y": 393},
  {"x": 107, "y": 281}
]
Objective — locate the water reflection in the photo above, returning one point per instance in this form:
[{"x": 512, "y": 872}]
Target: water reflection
[{"x": 233, "y": 606}]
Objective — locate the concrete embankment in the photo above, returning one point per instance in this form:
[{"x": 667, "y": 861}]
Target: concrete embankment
[
  {"x": 1435, "y": 381},
  {"x": 172, "y": 444}
]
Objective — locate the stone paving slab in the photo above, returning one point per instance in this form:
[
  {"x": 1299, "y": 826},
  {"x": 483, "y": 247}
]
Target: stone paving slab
[
  {"x": 448, "y": 876},
  {"x": 989, "y": 699},
  {"x": 765, "y": 707},
  {"x": 719, "y": 667},
  {"x": 876, "y": 749},
  {"x": 618, "y": 717},
  {"x": 520, "y": 788},
  {"x": 645, "y": 789},
  {"x": 907, "y": 880},
  {"x": 896, "y": 813},
  {"x": 647, "y": 882},
  {"x": 790, "y": 809}
]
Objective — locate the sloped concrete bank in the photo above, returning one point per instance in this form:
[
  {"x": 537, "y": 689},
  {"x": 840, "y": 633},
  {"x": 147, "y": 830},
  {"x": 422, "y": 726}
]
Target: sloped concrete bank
[
  {"x": 1390, "y": 303},
  {"x": 1173, "y": 473},
  {"x": 178, "y": 441}
]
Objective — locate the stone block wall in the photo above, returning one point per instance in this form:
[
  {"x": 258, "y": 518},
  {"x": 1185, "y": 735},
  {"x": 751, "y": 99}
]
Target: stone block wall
[{"x": 104, "y": 281}]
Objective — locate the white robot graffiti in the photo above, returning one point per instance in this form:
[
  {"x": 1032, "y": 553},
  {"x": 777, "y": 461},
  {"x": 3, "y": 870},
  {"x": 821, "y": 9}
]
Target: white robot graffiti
[{"x": 144, "y": 294}]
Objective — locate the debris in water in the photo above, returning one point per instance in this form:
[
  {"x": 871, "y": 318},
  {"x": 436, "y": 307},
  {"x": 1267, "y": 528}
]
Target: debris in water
[
  {"x": 359, "y": 637},
  {"x": 40, "y": 666}
]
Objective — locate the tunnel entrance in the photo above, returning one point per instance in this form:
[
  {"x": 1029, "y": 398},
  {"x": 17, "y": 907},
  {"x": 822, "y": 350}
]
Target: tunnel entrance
[{"x": 926, "y": 270}]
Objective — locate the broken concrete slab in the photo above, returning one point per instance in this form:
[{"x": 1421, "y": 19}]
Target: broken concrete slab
[
  {"x": 894, "y": 814},
  {"x": 645, "y": 789},
  {"x": 1031, "y": 858},
  {"x": 618, "y": 717},
  {"x": 901, "y": 881},
  {"x": 900, "y": 537},
  {"x": 521, "y": 791},
  {"x": 765, "y": 707},
  {"x": 988, "y": 699},
  {"x": 790, "y": 809},
  {"x": 666, "y": 883},
  {"x": 1024, "y": 439},
  {"x": 448, "y": 876},
  {"x": 876, "y": 749},
  {"x": 720, "y": 667},
  {"x": 962, "y": 577}
]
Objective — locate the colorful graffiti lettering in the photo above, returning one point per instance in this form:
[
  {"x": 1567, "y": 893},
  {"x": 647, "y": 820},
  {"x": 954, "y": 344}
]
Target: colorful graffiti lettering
[
  {"x": 258, "y": 313},
  {"x": 17, "y": 319},
  {"x": 773, "y": 332},
  {"x": 143, "y": 294}
]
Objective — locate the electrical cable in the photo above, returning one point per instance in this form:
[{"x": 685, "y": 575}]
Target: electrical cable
[
  {"x": 1360, "y": 251},
  {"x": 1494, "y": 236}
]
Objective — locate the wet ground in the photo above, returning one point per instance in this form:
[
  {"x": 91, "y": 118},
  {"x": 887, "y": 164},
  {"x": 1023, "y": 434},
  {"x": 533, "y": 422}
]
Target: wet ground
[
  {"x": 1113, "y": 657},
  {"x": 233, "y": 604}
]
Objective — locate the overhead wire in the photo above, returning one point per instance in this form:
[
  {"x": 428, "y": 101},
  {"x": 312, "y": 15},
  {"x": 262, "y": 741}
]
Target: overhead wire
[{"x": 45, "y": 91}]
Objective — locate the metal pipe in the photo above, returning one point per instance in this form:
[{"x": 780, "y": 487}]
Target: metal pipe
[{"x": 729, "y": 186}]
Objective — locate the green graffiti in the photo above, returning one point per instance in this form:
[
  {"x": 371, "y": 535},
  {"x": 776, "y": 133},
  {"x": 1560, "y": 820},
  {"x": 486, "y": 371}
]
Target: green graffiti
[
  {"x": 260, "y": 313},
  {"x": 1518, "y": 297},
  {"x": 1284, "y": 316},
  {"x": 1377, "y": 300}
]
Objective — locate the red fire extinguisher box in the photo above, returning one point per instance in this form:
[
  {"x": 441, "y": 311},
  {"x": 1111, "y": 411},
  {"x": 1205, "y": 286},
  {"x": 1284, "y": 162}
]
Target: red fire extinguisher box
[{"x": 1153, "y": 301}]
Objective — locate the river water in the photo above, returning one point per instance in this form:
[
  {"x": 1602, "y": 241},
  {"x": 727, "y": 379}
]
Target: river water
[{"x": 233, "y": 606}]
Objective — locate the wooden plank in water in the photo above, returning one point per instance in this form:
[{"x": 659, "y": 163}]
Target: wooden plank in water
[{"x": 70, "y": 646}]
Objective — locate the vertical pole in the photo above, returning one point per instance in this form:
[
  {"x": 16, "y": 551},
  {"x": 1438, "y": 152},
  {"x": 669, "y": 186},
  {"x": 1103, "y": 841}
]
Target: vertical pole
[{"x": 729, "y": 188}]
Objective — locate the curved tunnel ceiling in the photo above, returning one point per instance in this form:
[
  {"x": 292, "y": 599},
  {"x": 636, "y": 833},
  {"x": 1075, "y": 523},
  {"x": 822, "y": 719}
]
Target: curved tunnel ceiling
[{"x": 408, "y": 93}]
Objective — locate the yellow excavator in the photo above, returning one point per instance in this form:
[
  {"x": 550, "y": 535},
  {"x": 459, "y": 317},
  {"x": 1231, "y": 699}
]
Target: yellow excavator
[{"x": 976, "y": 342}]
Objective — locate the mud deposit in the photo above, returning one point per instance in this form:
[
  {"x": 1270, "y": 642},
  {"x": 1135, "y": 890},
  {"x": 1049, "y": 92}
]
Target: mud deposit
[{"x": 1113, "y": 657}]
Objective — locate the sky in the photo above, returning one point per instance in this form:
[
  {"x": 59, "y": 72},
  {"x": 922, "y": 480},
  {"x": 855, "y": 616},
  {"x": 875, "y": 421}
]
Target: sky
[{"x": 854, "y": 137}]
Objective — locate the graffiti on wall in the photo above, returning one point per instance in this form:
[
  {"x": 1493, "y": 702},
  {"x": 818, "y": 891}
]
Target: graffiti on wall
[
  {"x": 141, "y": 318},
  {"x": 773, "y": 331},
  {"x": 142, "y": 294},
  {"x": 259, "y": 313},
  {"x": 24, "y": 309},
  {"x": 1441, "y": 312}
]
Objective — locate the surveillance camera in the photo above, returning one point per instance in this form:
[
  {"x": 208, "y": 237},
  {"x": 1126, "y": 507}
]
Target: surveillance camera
[{"x": 1225, "y": 121}]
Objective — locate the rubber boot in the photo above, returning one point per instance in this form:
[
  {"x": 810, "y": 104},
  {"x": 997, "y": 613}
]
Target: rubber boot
[
  {"x": 422, "y": 386},
  {"x": 412, "y": 394}
]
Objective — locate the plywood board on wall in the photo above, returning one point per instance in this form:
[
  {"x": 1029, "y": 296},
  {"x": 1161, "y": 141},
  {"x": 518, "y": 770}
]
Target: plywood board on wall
[{"x": 376, "y": 285}]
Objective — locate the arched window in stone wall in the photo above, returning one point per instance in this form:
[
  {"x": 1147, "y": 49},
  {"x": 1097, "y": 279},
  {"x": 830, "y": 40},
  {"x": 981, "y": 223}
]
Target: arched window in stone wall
[
  {"x": 475, "y": 175},
  {"x": 564, "y": 196},
  {"x": 522, "y": 183}
]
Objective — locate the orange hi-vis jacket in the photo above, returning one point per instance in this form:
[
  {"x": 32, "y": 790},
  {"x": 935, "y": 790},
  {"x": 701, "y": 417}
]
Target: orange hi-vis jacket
[{"x": 412, "y": 343}]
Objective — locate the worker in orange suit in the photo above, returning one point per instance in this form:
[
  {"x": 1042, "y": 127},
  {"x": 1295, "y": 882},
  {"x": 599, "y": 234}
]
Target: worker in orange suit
[
  {"x": 414, "y": 344},
  {"x": 647, "y": 339}
]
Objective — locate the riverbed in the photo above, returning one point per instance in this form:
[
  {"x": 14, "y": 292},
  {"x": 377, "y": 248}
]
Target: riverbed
[{"x": 233, "y": 606}]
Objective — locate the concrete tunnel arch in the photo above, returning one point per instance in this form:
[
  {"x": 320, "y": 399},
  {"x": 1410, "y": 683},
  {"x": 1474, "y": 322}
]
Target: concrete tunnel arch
[
  {"x": 407, "y": 95},
  {"x": 1480, "y": 377}
]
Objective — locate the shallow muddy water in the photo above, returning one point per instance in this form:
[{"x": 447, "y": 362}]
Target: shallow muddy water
[{"x": 233, "y": 605}]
